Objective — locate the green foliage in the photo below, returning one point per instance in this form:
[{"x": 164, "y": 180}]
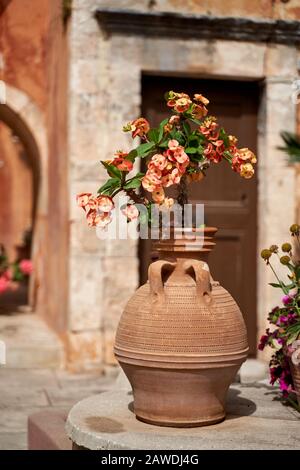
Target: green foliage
[
  {"x": 143, "y": 150},
  {"x": 161, "y": 128},
  {"x": 153, "y": 135},
  {"x": 135, "y": 182},
  {"x": 110, "y": 186},
  {"x": 223, "y": 136},
  {"x": 112, "y": 170},
  {"x": 291, "y": 146}
]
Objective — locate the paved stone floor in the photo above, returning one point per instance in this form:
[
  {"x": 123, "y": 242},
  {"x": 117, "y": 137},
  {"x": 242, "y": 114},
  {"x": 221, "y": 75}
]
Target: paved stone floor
[{"x": 25, "y": 391}]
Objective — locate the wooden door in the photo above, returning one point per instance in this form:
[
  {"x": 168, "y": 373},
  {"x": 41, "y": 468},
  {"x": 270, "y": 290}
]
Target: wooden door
[{"x": 230, "y": 201}]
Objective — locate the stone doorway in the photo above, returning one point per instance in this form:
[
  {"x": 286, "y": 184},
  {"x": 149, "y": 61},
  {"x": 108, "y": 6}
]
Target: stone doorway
[
  {"x": 230, "y": 202},
  {"x": 19, "y": 186}
]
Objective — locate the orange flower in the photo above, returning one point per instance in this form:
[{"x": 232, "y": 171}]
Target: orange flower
[
  {"x": 211, "y": 154},
  {"x": 83, "y": 199},
  {"x": 149, "y": 183},
  {"x": 167, "y": 180},
  {"x": 173, "y": 144},
  {"x": 105, "y": 203},
  {"x": 92, "y": 204},
  {"x": 158, "y": 195},
  {"x": 247, "y": 155},
  {"x": 159, "y": 161},
  {"x": 201, "y": 99},
  {"x": 179, "y": 101},
  {"x": 209, "y": 128},
  {"x": 168, "y": 202},
  {"x": 182, "y": 105},
  {"x": 131, "y": 212},
  {"x": 95, "y": 219},
  {"x": 122, "y": 164},
  {"x": 140, "y": 127},
  {"x": 199, "y": 111},
  {"x": 176, "y": 176},
  {"x": 219, "y": 145},
  {"x": 232, "y": 140},
  {"x": 180, "y": 155},
  {"x": 174, "y": 120},
  {"x": 246, "y": 170},
  {"x": 120, "y": 161}
]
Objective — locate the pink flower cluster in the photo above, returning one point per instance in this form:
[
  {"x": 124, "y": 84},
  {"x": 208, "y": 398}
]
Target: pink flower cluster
[
  {"x": 164, "y": 170},
  {"x": 214, "y": 146},
  {"x": 6, "y": 278},
  {"x": 5, "y": 281},
  {"x": 181, "y": 102},
  {"x": 243, "y": 161},
  {"x": 98, "y": 209}
]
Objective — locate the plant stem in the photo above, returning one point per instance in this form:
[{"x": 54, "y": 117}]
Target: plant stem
[
  {"x": 279, "y": 281},
  {"x": 135, "y": 197},
  {"x": 182, "y": 194}
]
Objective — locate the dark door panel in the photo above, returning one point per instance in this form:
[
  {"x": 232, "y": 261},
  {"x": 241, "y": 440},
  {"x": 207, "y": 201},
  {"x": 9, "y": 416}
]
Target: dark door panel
[{"x": 230, "y": 201}]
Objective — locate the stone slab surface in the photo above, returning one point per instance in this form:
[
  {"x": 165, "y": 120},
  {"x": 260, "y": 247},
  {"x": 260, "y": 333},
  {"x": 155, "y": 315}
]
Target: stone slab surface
[
  {"x": 26, "y": 392},
  {"x": 255, "y": 420}
]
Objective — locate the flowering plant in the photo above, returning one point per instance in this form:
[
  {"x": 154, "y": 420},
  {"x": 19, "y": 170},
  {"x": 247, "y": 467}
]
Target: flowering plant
[
  {"x": 284, "y": 334},
  {"x": 13, "y": 273},
  {"x": 178, "y": 151}
]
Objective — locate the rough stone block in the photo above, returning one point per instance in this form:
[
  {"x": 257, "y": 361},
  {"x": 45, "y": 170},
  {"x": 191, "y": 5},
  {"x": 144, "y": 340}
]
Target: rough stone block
[
  {"x": 46, "y": 431},
  {"x": 84, "y": 350}
]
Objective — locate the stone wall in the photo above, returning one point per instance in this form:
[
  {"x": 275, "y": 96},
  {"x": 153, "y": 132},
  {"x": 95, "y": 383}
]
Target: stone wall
[
  {"x": 280, "y": 9},
  {"x": 105, "y": 82}
]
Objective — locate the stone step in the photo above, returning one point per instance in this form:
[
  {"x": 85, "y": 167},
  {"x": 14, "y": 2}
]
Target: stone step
[
  {"x": 30, "y": 343},
  {"x": 46, "y": 431}
]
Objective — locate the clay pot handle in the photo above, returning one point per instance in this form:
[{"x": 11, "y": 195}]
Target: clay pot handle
[
  {"x": 156, "y": 273},
  {"x": 200, "y": 272}
]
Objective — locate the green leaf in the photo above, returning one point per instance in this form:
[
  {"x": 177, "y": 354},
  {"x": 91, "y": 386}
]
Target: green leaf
[
  {"x": 161, "y": 129},
  {"x": 187, "y": 128},
  {"x": 273, "y": 284},
  {"x": 191, "y": 150},
  {"x": 196, "y": 121},
  {"x": 153, "y": 135},
  {"x": 134, "y": 183},
  {"x": 177, "y": 135},
  {"x": 110, "y": 186},
  {"x": 223, "y": 136},
  {"x": 112, "y": 170},
  {"x": 143, "y": 150},
  {"x": 227, "y": 154},
  {"x": 132, "y": 155}
]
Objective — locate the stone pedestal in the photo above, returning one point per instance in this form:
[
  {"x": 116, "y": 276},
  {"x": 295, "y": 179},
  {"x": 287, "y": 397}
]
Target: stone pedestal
[{"x": 254, "y": 421}]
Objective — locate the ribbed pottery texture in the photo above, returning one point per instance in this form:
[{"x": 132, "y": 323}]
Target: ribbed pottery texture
[
  {"x": 181, "y": 338},
  {"x": 180, "y": 324}
]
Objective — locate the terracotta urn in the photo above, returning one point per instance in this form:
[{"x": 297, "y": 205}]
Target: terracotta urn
[{"x": 182, "y": 337}]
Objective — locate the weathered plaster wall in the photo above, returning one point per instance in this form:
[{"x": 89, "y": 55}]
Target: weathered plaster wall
[{"x": 34, "y": 64}]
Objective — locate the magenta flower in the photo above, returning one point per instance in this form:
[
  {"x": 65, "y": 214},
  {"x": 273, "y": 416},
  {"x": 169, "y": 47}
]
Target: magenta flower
[
  {"x": 286, "y": 299},
  {"x": 263, "y": 342}
]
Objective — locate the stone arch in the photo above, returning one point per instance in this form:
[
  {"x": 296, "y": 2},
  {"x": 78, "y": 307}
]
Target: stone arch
[{"x": 22, "y": 115}]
